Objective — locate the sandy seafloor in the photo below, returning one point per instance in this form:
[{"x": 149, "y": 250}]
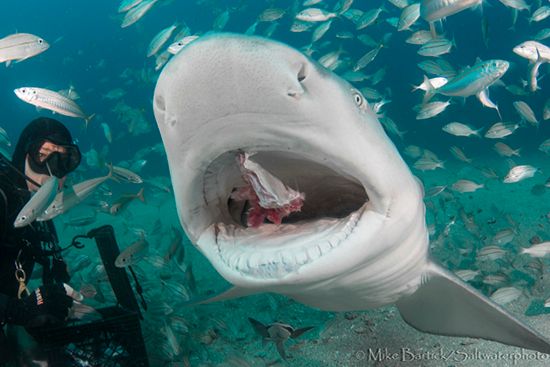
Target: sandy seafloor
[{"x": 220, "y": 334}]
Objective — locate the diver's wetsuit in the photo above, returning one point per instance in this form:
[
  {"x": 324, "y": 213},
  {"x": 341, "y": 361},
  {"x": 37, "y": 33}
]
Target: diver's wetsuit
[
  {"x": 28, "y": 244},
  {"x": 22, "y": 244}
]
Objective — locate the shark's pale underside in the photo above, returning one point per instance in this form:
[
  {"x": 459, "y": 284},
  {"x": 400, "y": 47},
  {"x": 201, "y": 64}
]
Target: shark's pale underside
[{"x": 360, "y": 240}]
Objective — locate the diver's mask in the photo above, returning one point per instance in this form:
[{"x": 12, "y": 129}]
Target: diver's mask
[{"x": 57, "y": 163}]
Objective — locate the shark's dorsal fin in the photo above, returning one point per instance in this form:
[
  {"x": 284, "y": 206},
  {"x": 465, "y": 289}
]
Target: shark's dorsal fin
[{"x": 446, "y": 305}]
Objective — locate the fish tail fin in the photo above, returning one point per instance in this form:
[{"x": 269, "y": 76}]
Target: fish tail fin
[
  {"x": 433, "y": 30},
  {"x": 417, "y": 87},
  {"x": 140, "y": 195},
  {"x": 111, "y": 174},
  {"x": 480, "y": 6},
  {"x": 523, "y": 251},
  {"x": 498, "y": 112},
  {"x": 533, "y": 82},
  {"x": 430, "y": 91},
  {"x": 478, "y": 132},
  {"x": 88, "y": 119}
]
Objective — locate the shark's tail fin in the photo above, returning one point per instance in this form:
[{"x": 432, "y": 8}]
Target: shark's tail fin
[{"x": 446, "y": 305}]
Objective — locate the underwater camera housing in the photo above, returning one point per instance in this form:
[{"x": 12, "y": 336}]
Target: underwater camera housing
[{"x": 116, "y": 339}]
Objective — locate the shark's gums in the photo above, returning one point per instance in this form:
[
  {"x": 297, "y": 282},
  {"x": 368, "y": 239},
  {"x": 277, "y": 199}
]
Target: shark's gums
[{"x": 285, "y": 180}]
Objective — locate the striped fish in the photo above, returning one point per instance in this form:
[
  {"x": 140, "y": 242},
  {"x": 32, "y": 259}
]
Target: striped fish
[
  {"x": 21, "y": 46},
  {"x": 408, "y": 17},
  {"x": 176, "y": 47},
  {"x": 126, "y": 5},
  {"x": 137, "y": 12},
  {"x": 431, "y": 109},
  {"x": 432, "y": 10},
  {"x": 516, "y": 4},
  {"x": 436, "y": 47},
  {"x": 37, "y": 203},
  {"x": 500, "y": 130},
  {"x": 53, "y": 101},
  {"x": 473, "y": 81},
  {"x": 160, "y": 39},
  {"x": 438, "y": 67},
  {"x": 69, "y": 198},
  {"x": 526, "y": 112},
  {"x": 505, "y": 295}
]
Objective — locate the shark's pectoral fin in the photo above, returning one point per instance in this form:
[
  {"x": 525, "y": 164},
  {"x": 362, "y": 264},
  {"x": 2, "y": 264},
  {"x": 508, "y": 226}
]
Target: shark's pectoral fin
[
  {"x": 447, "y": 306},
  {"x": 234, "y": 292}
]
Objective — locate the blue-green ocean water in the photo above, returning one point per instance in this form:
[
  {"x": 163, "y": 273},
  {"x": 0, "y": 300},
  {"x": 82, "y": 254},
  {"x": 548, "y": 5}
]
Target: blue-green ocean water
[{"x": 90, "y": 51}]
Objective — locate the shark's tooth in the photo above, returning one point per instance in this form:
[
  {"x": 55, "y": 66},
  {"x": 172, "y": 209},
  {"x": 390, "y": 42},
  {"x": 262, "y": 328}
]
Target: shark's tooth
[
  {"x": 288, "y": 261},
  {"x": 242, "y": 263},
  {"x": 235, "y": 261},
  {"x": 336, "y": 239},
  {"x": 313, "y": 252},
  {"x": 253, "y": 260},
  {"x": 302, "y": 258},
  {"x": 325, "y": 247},
  {"x": 278, "y": 267},
  {"x": 233, "y": 258}
]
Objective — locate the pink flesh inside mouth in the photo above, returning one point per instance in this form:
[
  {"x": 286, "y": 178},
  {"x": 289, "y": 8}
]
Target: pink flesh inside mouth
[{"x": 269, "y": 198}]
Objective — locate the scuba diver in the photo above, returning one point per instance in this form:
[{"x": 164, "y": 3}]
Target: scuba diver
[{"x": 45, "y": 147}]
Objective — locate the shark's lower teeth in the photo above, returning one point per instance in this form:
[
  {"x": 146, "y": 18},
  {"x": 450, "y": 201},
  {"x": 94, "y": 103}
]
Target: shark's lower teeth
[{"x": 271, "y": 250}]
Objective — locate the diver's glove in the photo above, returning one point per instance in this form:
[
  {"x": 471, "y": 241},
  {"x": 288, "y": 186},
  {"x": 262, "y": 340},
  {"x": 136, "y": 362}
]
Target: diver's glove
[{"x": 48, "y": 304}]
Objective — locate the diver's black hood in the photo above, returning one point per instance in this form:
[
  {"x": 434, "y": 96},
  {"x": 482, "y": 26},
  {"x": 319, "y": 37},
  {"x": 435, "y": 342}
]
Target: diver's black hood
[{"x": 42, "y": 128}]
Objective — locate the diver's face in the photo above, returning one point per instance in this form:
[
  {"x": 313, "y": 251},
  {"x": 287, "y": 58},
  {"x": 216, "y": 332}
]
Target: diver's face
[
  {"x": 44, "y": 152},
  {"x": 48, "y": 148}
]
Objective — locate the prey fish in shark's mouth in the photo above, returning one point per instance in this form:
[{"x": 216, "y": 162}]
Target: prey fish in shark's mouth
[{"x": 285, "y": 180}]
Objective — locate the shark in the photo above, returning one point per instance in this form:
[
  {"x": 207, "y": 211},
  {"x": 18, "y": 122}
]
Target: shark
[{"x": 359, "y": 239}]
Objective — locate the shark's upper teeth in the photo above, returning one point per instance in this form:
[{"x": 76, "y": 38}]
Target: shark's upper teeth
[{"x": 272, "y": 250}]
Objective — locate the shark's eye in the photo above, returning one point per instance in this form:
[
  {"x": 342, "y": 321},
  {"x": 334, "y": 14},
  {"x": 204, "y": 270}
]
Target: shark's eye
[{"x": 358, "y": 98}]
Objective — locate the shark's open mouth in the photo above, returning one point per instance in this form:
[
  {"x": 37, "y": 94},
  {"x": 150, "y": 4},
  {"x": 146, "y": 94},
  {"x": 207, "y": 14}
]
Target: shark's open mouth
[{"x": 333, "y": 203}]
